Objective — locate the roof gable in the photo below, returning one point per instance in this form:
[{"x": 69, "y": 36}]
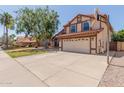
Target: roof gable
[
  {"x": 91, "y": 16},
  {"x": 80, "y": 15}
]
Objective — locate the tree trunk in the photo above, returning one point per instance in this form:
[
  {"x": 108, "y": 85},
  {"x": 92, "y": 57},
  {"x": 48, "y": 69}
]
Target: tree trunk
[
  {"x": 37, "y": 43},
  {"x": 46, "y": 44},
  {"x": 3, "y": 38},
  {"x": 6, "y": 38}
]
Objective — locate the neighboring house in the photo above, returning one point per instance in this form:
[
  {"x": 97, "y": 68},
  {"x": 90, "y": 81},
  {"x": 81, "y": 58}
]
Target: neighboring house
[
  {"x": 85, "y": 34},
  {"x": 25, "y": 41},
  {"x": 55, "y": 40}
]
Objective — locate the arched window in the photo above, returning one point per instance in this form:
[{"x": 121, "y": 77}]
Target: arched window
[{"x": 85, "y": 26}]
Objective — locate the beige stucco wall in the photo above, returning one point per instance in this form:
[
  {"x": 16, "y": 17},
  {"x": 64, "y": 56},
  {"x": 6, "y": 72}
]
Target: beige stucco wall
[
  {"x": 67, "y": 29},
  {"x": 74, "y": 21},
  {"x": 85, "y": 18},
  {"x": 95, "y": 24},
  {"x": 103, "y": 37},
  {"x": 77, "y": 45},
  {"x": 79, "y": 27}
]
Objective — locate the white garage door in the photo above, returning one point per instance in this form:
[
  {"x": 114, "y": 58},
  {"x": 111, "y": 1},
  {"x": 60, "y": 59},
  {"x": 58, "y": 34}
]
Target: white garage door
[{"x": 77, "y": 45}]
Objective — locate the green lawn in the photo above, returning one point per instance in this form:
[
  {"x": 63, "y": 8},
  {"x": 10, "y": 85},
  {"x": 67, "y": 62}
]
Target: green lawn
[{"x": 27, "y": 52}]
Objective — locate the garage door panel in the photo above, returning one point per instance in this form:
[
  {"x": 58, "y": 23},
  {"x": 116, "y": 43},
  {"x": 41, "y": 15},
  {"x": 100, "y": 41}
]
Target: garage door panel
[{"x": 77, "y": 45}]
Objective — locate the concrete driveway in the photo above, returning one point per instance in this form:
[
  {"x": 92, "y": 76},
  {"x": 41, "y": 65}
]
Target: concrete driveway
[
  {"x": 14, "y": 74},
  {"x": 65, "y": 68}
]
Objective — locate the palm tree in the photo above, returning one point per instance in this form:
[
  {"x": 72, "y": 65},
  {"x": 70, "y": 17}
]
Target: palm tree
[
  {"x": 2, "y": 19},
  {"x": 7, "y": 21}
]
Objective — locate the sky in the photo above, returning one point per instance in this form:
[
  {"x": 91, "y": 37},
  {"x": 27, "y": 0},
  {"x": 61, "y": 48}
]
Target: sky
[{"x": 67, "y": 12}]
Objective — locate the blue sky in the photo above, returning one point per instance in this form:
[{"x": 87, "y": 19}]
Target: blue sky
[{"x": 67, "y": 12}]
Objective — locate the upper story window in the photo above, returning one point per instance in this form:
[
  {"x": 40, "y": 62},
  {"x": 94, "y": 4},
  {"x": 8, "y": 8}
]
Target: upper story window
[
  {"x": 73, "y": 28},
  {"x": 85, "y": 26}
]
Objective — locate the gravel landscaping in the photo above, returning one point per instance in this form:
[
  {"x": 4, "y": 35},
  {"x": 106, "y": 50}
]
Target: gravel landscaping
[{"x": 114, "y": 75}]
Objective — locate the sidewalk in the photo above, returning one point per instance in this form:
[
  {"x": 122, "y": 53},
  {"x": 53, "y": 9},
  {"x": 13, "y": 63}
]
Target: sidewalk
[{"x": 14, "y": 74}]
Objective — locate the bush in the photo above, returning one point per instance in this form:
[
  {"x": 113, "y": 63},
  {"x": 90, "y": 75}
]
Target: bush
[{"x": 118, "y": 36}]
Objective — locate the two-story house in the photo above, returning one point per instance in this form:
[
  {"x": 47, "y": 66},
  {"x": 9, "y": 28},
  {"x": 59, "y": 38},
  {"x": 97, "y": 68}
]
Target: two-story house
[{"x": 85, "y": 34}]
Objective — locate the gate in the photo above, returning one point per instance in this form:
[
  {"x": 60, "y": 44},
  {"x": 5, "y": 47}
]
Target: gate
[{"x": 113, "y": 46}]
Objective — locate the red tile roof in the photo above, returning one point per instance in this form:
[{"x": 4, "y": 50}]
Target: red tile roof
[
  {"x": 25, "y": 40},
  {"x": 80, "y": 34}
]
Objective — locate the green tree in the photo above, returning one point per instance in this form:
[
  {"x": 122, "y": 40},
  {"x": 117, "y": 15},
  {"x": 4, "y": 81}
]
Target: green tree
[
  {"x": 121, "y": 35},
  {"x": 40, "y": 23},
  {"x": 12, "y": 37},
  {"x": 24, "y": 21},
  {"x": 38, "y": 27},
  {"x": 7, "y": 21},
  {"x": 118, "y": 36},
  {"x": 115, "y": 36},
  {"x": 50, "y": 22}
]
